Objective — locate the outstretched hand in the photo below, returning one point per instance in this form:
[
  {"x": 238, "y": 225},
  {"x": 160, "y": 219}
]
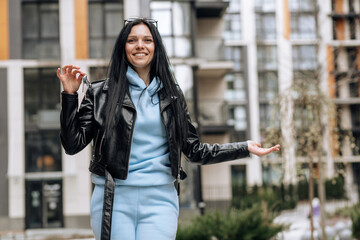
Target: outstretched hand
[{"x": 255, "y": 148}]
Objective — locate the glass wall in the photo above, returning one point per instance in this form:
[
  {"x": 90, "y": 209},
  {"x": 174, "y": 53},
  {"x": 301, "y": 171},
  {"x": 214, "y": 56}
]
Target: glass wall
[
  {"x": 106, "y": 19},
  {"x": 232, "y": 21},
  {"x": 303, "y": 21},
  {"x": 42, "y": 124},
  {"x": 265, "y": 19},
  {"x": 174, "y": 26},
  {"x": 42, "y": 148},
  {"x": 40, "y": 30}
]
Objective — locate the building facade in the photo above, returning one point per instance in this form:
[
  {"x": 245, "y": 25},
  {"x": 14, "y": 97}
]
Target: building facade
[{"x": 231, "y": 59}]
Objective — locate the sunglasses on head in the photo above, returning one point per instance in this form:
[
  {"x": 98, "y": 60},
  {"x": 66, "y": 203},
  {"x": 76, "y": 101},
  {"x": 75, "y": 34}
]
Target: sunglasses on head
[{"x": 148, "y": 20}]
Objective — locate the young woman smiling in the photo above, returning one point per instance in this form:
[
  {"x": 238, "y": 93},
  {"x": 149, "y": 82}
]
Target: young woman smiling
[{"x": 138, "y": 121}]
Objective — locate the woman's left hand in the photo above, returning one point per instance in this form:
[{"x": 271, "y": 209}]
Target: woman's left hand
[{"x": 255, "y": 148}]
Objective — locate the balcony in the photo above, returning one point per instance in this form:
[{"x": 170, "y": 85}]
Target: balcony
[
  {"x": 210, "y": 9},
  {"x": 213, "y": 116}
]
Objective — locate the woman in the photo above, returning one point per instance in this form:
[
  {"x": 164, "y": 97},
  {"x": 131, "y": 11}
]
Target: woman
[{"x": 139, "y": 124}]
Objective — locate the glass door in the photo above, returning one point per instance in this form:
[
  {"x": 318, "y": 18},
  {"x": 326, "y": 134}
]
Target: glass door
[{"x": 44, "y": 204}]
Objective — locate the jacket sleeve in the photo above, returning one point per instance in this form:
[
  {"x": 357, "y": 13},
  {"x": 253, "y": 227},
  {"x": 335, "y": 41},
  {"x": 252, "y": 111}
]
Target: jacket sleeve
[
  {"x": 204, "y": 153},
  {"x": 76, "y": 125}
]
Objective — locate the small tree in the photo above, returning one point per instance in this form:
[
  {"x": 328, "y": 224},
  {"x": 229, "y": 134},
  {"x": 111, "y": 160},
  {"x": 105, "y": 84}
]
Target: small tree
[{"x": 312, "y": 111}]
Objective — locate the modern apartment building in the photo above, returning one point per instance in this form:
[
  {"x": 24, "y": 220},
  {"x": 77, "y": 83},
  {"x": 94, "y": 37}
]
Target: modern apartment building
[
  {"x": 231, "y": 58},
  {"x": 278, "y": 42}
]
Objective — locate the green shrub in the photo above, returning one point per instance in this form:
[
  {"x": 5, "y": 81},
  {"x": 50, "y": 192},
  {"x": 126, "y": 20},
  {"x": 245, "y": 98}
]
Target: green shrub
[
  {"x": 277, "y": 198},
  {"x": 355, "y": 218},
  {"x": 334, "y": 188},
  {"x": 236, "y": 224}
]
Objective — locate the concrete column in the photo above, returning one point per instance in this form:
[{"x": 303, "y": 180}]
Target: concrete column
[
  {"x": 349, "y": 183},
  {"x": 16, "y": 139},
  {"x": 285, "y": 77},
  {"x": 67, "y": 30},
  {"x": 249, "y": 35},
  {"x": 132, "y": 8},
  {"x": 76, "y": 180},
  {"x": 324, "y": 27}
]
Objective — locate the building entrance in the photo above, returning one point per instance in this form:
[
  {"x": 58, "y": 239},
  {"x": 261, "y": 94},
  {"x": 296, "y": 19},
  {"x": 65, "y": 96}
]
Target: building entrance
[{"x": 44, "y": 204}]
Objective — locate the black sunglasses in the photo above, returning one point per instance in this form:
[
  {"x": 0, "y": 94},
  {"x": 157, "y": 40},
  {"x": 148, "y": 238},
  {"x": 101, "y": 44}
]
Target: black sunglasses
[{"x": 148, "y": 20}]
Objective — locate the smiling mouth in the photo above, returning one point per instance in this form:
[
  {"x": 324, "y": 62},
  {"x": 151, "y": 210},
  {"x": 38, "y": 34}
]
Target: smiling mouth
[{"x": 140, "y": 54}]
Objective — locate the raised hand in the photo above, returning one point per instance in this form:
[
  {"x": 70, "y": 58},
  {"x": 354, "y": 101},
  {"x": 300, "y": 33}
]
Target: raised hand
[
  {"x": 255, "y": 148},
  {"x": 70, "y": 78}
]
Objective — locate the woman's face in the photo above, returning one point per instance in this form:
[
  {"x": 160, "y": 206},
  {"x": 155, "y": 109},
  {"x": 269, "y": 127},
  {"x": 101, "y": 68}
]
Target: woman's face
[{"x": 140, "y": 47}]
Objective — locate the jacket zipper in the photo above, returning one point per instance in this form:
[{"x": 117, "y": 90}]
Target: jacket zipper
[
  {"x": 131, "y": 138},
  {"x": 101, "y": 142}
]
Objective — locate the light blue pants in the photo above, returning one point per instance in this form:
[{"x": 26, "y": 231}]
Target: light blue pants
[{"x": 139, "y": 213}]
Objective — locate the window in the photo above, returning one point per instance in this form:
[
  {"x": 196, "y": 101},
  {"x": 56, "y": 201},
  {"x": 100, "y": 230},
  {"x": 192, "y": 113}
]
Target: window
[
  {"x": 42, "y": 110},
  {"x": 238, "y": 175},
  {"x": 42, "y": 151},
  {"x": 265, "y": 5},
  {"x": 105, "y": 22},
  {"x": 42, "y": 99},
  {"x": 234, "y": 54},
  {"x": 174, "y": 26},
  {"x": 304, "y": 57},
  {"x": 238, "y": 117},
  {"x": 234, "y": 6},
  {"x": 232, "y": 23},
  {"x": 266, "y": 115},
  {"x": 355, "y": 117},
  {"x": 303, "y": 26},
  {"x": 265, "y": 26},
  {"x": 268, "y": 85},
  {"x": 303, "y": 23},
  {"x": 267, "y": 57},
  {"x": 301, "y": 5},
  {"x": 236, "y": 89},
  {"x": 40, "y": 30}
]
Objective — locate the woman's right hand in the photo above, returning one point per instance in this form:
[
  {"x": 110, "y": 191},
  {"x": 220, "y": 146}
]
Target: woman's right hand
[{"x": 70, "y": 78}]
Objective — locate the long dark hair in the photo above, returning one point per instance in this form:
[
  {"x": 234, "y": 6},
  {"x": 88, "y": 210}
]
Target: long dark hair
[{"x": 160, "y": 68}]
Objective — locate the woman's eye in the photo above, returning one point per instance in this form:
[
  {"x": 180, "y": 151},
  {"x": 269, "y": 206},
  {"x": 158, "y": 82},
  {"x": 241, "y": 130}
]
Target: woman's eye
[{"x": 131, "y": 40}]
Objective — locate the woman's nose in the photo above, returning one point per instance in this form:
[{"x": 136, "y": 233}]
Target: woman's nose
[{"x": 140, "y": 44}]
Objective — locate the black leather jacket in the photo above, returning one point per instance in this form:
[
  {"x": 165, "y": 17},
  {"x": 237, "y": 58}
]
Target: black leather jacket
[
  {"x": 111, "y": 159},
  {"x": 80, "y": 127}
]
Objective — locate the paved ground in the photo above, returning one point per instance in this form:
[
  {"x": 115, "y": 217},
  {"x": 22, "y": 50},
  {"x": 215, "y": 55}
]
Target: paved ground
[{"x": 299, "y": 224}]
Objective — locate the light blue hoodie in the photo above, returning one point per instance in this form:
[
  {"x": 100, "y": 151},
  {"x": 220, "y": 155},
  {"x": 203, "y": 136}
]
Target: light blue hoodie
[{"x": 149, "y": 163}]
